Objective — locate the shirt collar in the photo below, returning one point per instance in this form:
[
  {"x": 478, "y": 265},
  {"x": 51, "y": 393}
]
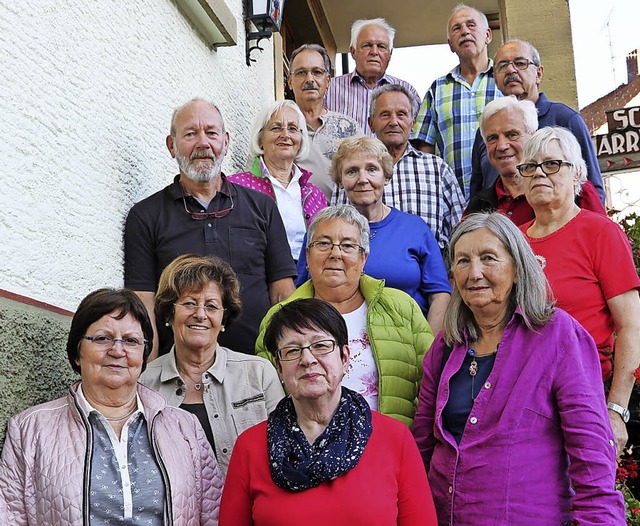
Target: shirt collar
[
  {"x": 176, "y": 193},
  {"x": 169, "y": 368},
  {"x": 87, "y": 408},
  {"x": 455, "y": 72},
  {"x": 356, "y": 77}
]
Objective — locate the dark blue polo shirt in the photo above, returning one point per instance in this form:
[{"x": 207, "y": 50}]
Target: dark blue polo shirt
[{"x": 251, "y": 238}]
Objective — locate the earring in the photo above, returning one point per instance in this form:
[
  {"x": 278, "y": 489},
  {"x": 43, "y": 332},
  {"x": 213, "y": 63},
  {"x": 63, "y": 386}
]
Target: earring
[
  {"x": 222, "y": 329},
  {"x": 167, "y": 324}
]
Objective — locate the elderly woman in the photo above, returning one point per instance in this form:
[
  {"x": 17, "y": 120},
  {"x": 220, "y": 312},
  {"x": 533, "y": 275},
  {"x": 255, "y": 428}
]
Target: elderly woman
[
  {"x": 404, "y": 251},
  {"x": 587, "y": 261},
  {"x": 278, "y": 139},
  {"x": 198, "y": 296},
  {"x": 322, "y": 445},
  {"x": 511, "y": 422},
  {"x": 388, "y": 335},
  {"x": 112, "y": 451}
]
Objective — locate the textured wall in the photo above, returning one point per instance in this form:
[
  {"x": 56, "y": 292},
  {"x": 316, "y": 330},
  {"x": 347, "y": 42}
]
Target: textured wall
[
  {"x": 87, "y": 92},
  {"x": 33, "y": 358}
]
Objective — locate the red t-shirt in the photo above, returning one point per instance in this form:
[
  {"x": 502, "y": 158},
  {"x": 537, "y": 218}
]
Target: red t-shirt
[{"x": 587, "y": 262}]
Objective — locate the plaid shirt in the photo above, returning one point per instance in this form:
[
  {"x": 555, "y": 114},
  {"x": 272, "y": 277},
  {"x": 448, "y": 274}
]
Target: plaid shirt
[
  {"x": 350, "y": 95},
  {"x": 423, "y": 184},
  {"x": 449, "y": 117}
]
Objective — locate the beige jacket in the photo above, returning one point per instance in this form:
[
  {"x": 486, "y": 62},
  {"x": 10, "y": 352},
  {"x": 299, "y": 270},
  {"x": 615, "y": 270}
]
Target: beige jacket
[{"x": 240, "y": 391}]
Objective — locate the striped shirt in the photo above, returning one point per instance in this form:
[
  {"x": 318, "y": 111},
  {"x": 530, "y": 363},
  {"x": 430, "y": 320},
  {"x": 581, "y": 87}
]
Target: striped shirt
[
  {"x": 349, "y": 94},
  {"x": 422, "y": 184},
  {"x": 449, "y": 118}
]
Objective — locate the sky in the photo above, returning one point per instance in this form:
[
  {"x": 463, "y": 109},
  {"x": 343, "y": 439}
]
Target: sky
[{"x": 600, "y": 49}]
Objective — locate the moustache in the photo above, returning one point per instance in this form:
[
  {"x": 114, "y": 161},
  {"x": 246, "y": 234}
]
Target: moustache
[
  {"x": 465, "y": 39},
  {"x": 309, "y": 86},
  {"x": 512, "y": 77},
  {"x": 202, "y": 155}
]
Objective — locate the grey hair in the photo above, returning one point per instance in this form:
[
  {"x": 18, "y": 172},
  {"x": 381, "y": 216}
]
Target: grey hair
[
  {"x": 346, "y": 213},
  {"x": 359, "y": 25},
  {"x": 393, "y": 88},
  {"x": 174, "y": 115},
  {"x": 526, "y": 108},
  {"x": 318, "y": 49},
  {"x": 265, "y": 115},
  {"x": 536, "y": 150},
  {"x": 462, "y": 6},
  {"x": 361, "y": 145},
  {"x": 535, "y": 54},
  {"x": 530, "y": 292}
]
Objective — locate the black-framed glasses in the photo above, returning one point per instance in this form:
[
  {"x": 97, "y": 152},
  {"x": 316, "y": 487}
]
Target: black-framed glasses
[
  {"x": 201, "y": 216},
  {"x": 192, "y": 307},
  {"x": 519, "y": 63},
  {"x": 548, "y": 167},
  {"x": 107, "y": 342},
  {"x": 319, "y": 348},
  {"x": 347, "y": 249}
]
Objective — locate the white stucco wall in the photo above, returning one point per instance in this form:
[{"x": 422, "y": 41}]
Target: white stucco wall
[{"x": 86, "y": 94}]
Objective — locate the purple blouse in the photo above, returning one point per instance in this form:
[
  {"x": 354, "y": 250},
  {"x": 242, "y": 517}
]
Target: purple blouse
[{"x": 537, "y": 447}]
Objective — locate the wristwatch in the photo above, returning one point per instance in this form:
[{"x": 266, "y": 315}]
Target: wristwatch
[{"x": 622, "y": 411}]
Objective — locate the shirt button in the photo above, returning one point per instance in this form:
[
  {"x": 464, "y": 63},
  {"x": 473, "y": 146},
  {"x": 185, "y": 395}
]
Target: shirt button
[
  {"x": 209, "y": 225},
  {"x": 450, "y": 489},
  {"x": 611, "y": 443},
  {"x": 473, "y": 420},
  {"x": 215, "y": 416},
  {"x": 123, "y": 467},
  {"x": 126, "y": 484},
  {"x": 224, "y": 450},
  {"x": 179, "y": 392},
  {"x": 487, "y": 385},
  {"x": 509, "y": 212}
]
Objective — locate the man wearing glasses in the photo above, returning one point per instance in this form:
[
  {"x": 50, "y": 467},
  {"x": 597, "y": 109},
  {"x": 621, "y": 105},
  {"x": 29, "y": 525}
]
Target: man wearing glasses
[
  {"x": 201, "y": 212},
  {"x": 371, "y": 47},
  {"x": 518, "y": 72},
  {"x": 309, "y": 79}
]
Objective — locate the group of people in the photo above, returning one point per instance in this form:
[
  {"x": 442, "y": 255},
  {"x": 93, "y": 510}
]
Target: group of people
[{"x": 438, "y": 370}]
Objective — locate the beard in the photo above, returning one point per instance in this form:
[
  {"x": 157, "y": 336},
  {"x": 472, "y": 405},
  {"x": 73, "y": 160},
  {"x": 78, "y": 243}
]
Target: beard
[{"x": 202, "y": 172}]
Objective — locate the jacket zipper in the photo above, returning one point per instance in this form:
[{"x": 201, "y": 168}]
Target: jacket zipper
[{"x": 168, "y": 503}]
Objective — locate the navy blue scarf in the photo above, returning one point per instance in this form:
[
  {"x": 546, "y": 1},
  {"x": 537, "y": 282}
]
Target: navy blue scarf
[{"x": 297, "y": 465}]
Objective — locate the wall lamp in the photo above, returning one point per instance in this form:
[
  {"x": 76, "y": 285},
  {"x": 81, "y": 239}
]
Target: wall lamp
[{"x": 266, "y": 17}]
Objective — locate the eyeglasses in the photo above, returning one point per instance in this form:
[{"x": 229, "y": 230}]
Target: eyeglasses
[
  {"x": 548, "y": 167},
  {"x": 348, "y": 249},
  {"x": 192, "y": 307},
  {"x": 519, "y": 63},
  {"x": 201, "y": 216},
  {"x": 315, "y": 72},
  {"x": 319, "y": 348},
  {"x": 292, "y": 129},
  {"x": 106, "y": 342}
]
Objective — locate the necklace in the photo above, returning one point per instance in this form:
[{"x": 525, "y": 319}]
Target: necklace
[
  {"x": 385, "y": 212},
  {"x": 118, "y": 418},
  {"x": 473, "y": 368}
]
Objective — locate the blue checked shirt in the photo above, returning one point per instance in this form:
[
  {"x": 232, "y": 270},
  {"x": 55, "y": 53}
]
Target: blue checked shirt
[
  {"x": 350, "y": 95},
  {"x": 424, "y": 185},
  {"x": 449, "y": 117}
]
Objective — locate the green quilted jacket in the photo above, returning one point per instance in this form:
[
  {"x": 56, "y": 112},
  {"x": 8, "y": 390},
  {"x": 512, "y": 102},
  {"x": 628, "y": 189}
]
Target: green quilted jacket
[{"x": 400, "y": 337}]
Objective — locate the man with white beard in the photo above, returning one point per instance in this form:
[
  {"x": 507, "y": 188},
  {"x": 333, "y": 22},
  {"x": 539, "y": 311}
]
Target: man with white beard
[{"x": 203, "y": 213}]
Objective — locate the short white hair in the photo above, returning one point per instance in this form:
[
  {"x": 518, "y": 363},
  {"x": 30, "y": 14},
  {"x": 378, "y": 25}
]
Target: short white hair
[
  {"x": 526, "y": 108},
  {"x": 264, "y": 117},
  {"x": 462, "y": 6},
  {"x": 359, "y": 25}
]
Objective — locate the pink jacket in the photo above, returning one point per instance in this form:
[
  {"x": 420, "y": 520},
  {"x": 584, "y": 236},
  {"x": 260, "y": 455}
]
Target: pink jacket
[
  {"x": 313, "y": 200},
  {"x": 45, "y": 464}
]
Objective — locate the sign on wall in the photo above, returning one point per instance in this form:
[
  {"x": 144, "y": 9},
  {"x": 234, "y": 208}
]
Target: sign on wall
[{"x": 620, "y": 148}]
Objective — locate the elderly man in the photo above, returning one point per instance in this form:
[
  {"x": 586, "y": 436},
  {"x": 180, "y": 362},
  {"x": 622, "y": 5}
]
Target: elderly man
[
  {"x": 506, "y": 126},
  {"x": 518, "y": 72},
  {"x": 448, "y": 119},
  {"x": 371, "y": 47},
  {"x": 201, "y": 212},
  {"x": 422, "y": 184},
  {"x": 309, "y": 79}
]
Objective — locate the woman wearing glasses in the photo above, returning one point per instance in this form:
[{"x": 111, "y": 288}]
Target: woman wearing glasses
[
  {"x": 388, "y": 334},
  {"x": 111, "y": 451},
  {"x": 278, "y": 139},
  {"x": 404, "y": 251},
  {"x": 198, "y": 297},
  {"x": 323, "y": 457},
  {"x": 587, "y": 261}
]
